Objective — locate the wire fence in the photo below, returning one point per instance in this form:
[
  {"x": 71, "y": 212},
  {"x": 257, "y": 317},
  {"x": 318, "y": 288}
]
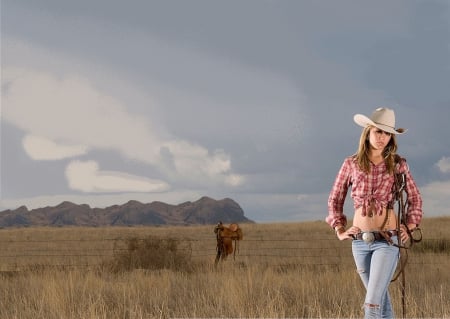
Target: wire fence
[{"x": 16, "y": 254}]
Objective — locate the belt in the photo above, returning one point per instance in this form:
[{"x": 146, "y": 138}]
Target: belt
[{"x": 371, "y": 236}]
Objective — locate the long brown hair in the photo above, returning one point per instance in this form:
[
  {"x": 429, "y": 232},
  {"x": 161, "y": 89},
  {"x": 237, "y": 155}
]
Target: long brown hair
[{"x": 389, "y": 152}]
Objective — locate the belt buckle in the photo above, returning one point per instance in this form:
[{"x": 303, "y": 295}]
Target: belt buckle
[{"x": 368, "y": 237}]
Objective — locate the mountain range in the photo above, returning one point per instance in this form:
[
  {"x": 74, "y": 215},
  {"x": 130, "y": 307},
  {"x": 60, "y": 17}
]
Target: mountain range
[{"x": 201, "y": 212}]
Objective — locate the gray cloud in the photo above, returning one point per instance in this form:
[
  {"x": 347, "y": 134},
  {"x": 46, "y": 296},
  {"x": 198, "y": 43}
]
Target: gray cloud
[{"x": 258, "y": 109}]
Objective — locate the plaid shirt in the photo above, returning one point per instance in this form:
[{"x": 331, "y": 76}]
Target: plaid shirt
[{"x": 371, "y": 191}]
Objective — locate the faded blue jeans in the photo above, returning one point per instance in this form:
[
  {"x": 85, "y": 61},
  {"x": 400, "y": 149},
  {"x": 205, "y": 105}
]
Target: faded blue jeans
[{"x": 376, "y": 264}]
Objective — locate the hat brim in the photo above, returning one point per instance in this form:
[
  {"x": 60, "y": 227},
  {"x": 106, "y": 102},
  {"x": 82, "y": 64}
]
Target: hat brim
[{"x": 364, "y": 121}]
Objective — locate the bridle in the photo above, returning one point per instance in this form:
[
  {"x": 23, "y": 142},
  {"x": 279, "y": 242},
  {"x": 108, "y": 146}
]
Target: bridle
[{"x": 401, "y": 196}]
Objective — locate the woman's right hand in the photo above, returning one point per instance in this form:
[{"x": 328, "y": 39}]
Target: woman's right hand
[{"x": 348, "y": 234}]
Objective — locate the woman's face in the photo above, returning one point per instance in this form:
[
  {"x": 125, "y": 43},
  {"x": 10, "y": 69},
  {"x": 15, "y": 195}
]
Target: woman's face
[{"x": 378, "y": 139}]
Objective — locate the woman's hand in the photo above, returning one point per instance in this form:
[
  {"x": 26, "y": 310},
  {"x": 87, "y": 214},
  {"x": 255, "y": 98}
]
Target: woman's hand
[
  {"x": 343, "y": 234},
  {"x": 404, "y": 233}
]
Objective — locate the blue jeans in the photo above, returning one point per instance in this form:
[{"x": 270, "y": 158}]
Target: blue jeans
[{"x": 376, "y": 264}]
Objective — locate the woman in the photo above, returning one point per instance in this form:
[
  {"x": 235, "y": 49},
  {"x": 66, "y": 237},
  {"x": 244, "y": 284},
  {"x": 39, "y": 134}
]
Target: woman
[{"x": 370, "y": 173}]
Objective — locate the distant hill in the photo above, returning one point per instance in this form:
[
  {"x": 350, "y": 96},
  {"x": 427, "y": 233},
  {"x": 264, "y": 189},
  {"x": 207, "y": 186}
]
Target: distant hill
[{"x": 201, "y": 212}]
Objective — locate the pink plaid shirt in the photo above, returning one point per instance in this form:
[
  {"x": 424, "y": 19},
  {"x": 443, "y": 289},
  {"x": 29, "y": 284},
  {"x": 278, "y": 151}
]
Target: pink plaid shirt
[{"x": 374, "y": 189}]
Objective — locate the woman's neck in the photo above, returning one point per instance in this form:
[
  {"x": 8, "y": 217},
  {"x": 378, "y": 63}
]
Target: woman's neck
[{"x": 376, "y": 156}]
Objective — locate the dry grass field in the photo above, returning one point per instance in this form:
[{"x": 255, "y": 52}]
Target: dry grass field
[{"x": 280, "y": 270}]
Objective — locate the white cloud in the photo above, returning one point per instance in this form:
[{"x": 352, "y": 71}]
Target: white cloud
[
  {"x": 235, "y": 180},
  {"x": 41, "y": 148},
  {"x": 71, "y": 111},
  {"x": 444, "y": 164},
  {"x": 86, "y": 177},
  {"x": 436, "y": 199},
  {"x": 191, "y": 159}
]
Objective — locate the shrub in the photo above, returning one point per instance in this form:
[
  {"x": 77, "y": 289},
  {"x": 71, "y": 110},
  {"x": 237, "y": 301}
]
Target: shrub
[{"x": 152, "y": 253}]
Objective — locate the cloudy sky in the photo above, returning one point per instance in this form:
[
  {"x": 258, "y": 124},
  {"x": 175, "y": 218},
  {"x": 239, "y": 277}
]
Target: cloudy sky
[{"x": 105, "y": 101}]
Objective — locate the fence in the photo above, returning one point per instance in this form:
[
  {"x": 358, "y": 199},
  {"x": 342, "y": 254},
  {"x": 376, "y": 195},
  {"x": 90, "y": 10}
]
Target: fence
[{"x": 19, "y": 254}]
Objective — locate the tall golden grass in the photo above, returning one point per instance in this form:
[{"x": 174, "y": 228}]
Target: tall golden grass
[{"x": 280, "y": 270}]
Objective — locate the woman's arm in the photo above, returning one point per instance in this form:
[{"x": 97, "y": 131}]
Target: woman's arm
[{"x": 336, "y": 199}]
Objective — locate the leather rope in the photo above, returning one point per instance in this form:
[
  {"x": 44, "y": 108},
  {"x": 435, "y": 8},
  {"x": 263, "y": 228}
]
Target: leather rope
[{"x": 399, "y": 191}]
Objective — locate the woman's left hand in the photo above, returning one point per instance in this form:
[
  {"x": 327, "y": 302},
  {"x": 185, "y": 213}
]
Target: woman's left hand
[{"x": 404, "y": 233}]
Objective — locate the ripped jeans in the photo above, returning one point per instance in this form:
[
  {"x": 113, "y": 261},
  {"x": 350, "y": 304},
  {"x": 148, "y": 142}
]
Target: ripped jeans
[{"x": 376, "y": 264}]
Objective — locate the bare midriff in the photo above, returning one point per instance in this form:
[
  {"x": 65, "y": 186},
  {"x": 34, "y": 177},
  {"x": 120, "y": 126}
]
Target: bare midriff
[{"x": 375, "y": 222}]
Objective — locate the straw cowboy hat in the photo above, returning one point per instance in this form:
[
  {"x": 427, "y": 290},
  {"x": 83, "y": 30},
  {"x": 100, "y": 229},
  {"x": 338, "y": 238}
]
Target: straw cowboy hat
[{"x": 383, "y": 118}]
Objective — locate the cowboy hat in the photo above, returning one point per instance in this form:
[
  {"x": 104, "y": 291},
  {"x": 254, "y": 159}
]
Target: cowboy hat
[{"x": 383, "y": 118}]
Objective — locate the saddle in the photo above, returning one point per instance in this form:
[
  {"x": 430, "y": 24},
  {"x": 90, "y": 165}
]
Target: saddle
[{"x": 225, "y": 237}]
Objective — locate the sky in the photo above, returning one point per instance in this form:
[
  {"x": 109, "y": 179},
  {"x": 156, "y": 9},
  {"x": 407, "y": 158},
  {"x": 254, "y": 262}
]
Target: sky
[{"x": 106, "y": 101}]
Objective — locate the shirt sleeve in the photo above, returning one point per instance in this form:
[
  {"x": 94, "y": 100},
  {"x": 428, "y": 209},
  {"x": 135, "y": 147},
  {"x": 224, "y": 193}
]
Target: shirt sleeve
[
  {"x": 337, "y": 196},
  {"x": 414, "y": 211}
]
